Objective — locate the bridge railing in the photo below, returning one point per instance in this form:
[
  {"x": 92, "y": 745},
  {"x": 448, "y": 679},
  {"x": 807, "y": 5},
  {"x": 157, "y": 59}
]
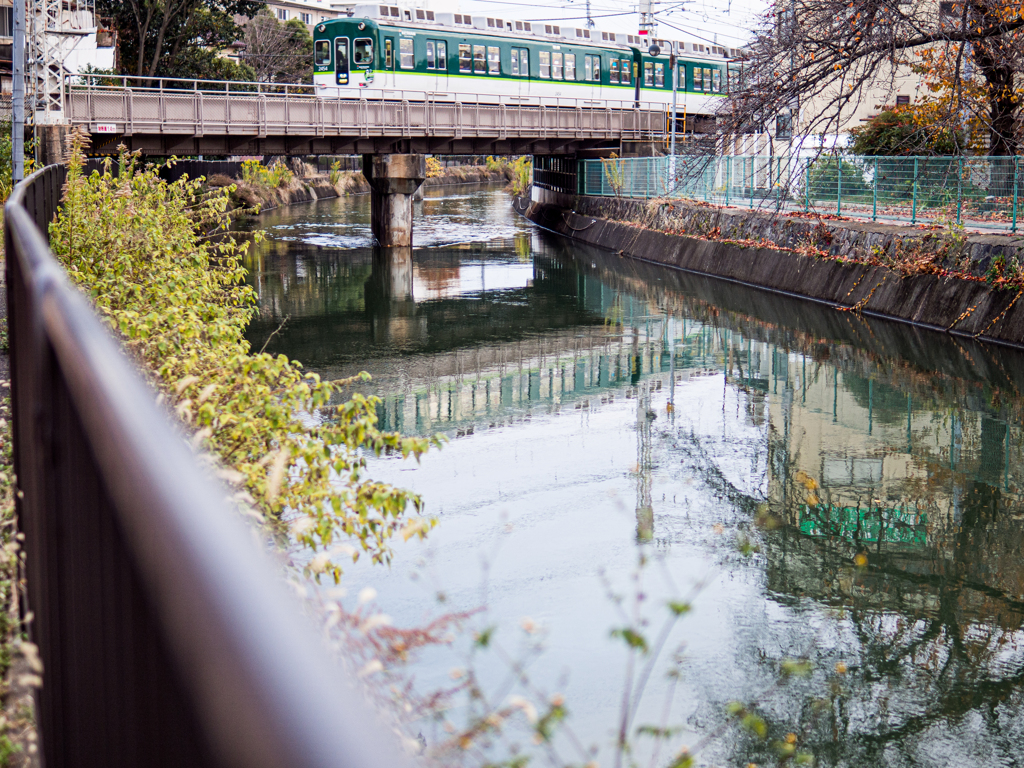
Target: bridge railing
[
  {"x": 166, "y": 636},
  {"x": 978, "y": 192}
]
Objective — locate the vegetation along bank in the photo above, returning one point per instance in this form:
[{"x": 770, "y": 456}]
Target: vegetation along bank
[
  {"x": 296, "y": 181},
  {"x": 937, "y": 277}
]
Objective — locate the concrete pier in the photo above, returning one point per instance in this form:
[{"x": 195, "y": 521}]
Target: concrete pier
[{"x": 393, "y": 180}]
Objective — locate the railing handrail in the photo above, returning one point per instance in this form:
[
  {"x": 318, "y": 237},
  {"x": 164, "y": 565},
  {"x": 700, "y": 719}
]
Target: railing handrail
[{"x": 263, "y": 688}]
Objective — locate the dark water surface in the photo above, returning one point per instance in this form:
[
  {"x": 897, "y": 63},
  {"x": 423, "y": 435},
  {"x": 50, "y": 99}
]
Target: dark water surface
[{"x": 822, "y": 438}]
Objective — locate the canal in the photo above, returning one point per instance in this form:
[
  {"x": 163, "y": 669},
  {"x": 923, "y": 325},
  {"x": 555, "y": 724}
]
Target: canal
[{"x": 818, "y": 486}]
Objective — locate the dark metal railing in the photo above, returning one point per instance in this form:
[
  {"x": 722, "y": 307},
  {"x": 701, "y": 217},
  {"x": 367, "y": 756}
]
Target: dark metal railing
[{"x": 167, "y": 638}]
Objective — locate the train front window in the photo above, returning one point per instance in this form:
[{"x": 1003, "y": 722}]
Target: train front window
[
  {"x": 659, "y": 75},
  {"x": 362, "y": 53},
  {"x": 613, "y": 72},
  {"x": 465, "y": 58},
  {"x": 479, "y": 60},
  {"x": 648, "y": 73},
  {"x": 341, "y": 60},
  {"x": 322, "y": 57},
  {"x": 556, "y": 66},
  {"x": 625, "y": 71},
  {"x": 570, "y": 66},
  {"x": 405, "y": 58},
  {"x": 493, "y": 60},
  {"x": 442, "y": 56},
  {"x": 545, "y": 64}
]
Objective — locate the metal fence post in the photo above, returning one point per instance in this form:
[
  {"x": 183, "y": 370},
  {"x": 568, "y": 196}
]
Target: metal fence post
[
  {"x": 959, "y": 187},
  {"x": 751, "y": 181},
  {"x": 728, "y": 177},
  {"x": 807, "y": 188},
  {"x": 913, "y": 210},
  {"x": 874, "y": 193},
  {"x": 1016, "y": 186},
  {"x": 839, "y": 186}
]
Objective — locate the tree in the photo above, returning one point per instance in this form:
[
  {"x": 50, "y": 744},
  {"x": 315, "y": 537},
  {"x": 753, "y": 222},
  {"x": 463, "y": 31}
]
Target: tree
[
  {"x": 831, "y": 52},
  {"x": 161, "y": 37},
  {"x": 278, "y": 52},
  {"x": 902, "y": 131}
]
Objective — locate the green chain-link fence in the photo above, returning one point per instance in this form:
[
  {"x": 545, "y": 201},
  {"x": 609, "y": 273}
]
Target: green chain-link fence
[{"x": 978, "y": 192}]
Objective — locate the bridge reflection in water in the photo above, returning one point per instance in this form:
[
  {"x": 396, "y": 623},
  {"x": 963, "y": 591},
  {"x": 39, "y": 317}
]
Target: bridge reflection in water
[{"x": 858, "y": 442}]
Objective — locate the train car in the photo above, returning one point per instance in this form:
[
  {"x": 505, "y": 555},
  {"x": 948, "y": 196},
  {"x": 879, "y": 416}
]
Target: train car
[{"x": 417, "y": 51}]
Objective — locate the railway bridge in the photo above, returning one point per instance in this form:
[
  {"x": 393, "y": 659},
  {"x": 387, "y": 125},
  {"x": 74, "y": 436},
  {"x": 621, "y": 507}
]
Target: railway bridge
[{"x": 393, "y": 129}]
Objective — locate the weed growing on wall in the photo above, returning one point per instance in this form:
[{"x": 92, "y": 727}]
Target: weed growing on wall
[{"x": 153, "y": 259}]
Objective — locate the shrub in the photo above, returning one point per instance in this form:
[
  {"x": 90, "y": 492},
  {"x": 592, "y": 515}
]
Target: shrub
[
  {"x": 521, "y": 176},
  {"x": 433, "y": 167},
  {"x": 133, "y": 243}
]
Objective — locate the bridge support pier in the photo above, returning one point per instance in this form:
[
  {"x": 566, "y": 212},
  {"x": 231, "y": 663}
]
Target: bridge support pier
[{"x": 394, "y": 180}]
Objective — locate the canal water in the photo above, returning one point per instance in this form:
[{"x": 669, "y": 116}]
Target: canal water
[{"x": 820, "y": 486}]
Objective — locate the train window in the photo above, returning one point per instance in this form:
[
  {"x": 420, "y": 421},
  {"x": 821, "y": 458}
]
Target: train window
[
  {"x": 613, "y": 72},
  {"x": 322, "y": 57},
  {"x": 515, "y": 62},
  {"x": 625, "y": 71},
  {"x": 431, "y": 55},
  {"x": 682, "y": 77},
  {"x": 524, "y": 62},
  {"x": 545, "y": 64},
  {"x": 659, "y": 75},
  {"x": 716, "y": 81},
  {"x": 479, "y": 60},
  {"x": 493, "y": 60},
  {"x": 570, "y": 66},
  {"x": 442, "y": 55},
  {"x": 362, "y": 53},
  {"x": 388, "y": 54},
  {"x": 405, "y": 58},
  {"x": 556, "y": 66},
  {"x": 697, "y": 85},
  {"x": 707, "y": 79},
  {"x": 588, "y": 68},
  {"x": 648, "y": 73},
  {"x": 465, "y": 58}
]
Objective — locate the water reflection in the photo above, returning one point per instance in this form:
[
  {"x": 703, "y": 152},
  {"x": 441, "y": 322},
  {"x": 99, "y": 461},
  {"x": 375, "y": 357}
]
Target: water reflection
[{"x": 594, "y": 402}]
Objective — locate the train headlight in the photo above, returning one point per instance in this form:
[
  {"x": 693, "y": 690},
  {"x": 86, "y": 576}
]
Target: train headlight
[
  {"x": 321, "y": 28},
  {"x": 361, "y": 26}
]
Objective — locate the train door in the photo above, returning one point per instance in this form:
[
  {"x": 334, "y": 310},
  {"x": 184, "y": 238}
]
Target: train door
[
  {"x": 389, "y": 63},
  {"x": 519, "y": 68},
  {"x": 341, "y": 65},
  {"x": 437, "y": 64}
]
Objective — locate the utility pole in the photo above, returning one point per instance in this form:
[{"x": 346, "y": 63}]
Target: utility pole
[
  {"x": 590, "y": 20},
  {"x": 672, "y": 130},
  {"x": 647, "y": 25},
  {"x": 18, "y": 100}
]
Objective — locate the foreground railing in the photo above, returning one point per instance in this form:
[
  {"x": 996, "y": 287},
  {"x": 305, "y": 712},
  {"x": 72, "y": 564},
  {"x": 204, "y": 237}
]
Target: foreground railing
[
  {"x": 978, "y": 192},
  {"x": 166, "y": 637}
]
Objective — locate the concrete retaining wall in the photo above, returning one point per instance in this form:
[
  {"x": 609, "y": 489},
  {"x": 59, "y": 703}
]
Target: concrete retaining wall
[{"x": 963, "y": 307}]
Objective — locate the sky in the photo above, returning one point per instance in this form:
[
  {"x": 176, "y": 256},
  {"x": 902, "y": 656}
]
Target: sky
[{"x": 724, "y": 22}]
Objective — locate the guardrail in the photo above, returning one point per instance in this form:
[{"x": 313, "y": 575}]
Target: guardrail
[
  {"x": 207, "y": 108},
  {"x": 167, "y": 638},
  {"x": 978, "y": 192}
]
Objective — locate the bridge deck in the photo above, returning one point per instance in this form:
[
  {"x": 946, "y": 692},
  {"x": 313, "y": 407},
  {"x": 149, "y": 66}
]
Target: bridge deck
[{"x": 216, "y": 118}]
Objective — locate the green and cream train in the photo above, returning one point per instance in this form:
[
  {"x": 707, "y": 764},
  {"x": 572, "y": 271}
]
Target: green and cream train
[{"x": 418, "y": 51}]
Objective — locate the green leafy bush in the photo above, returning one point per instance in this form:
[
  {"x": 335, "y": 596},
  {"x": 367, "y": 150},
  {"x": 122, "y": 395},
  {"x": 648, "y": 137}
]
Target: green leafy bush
[
  {"x": 521, "y": 176},
  {"x": 135, "y": 244}
]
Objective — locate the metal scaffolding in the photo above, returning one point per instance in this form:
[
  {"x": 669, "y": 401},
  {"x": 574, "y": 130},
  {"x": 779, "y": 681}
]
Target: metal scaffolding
[{"x": 54, "y": 30}]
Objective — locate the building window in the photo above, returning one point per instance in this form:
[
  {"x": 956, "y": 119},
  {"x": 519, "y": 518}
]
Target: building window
[
  {"x": 784, "y": 125},
  {"x": 307, "y": 18},
  {"x": 556, "y": 66},
  {"x": 465, "y": 58},
  {"x": 282, "y": 14},
  {"x": 900, "y": 100},
  {"x": 570, "y": 66},
  {"x": 7, "y": 22},
  {"x": 493, "y": 60},
  {"x": 405, "y": 57}
]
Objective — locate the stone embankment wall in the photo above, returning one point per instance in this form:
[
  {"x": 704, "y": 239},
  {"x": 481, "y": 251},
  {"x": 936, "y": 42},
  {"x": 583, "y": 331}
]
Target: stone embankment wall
[
  {"x": 312, "y": 186},
  {"x": 810, "y": 258}
]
